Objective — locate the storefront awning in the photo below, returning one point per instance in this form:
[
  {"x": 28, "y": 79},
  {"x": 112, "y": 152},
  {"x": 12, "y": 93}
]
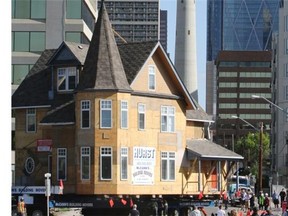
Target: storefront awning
[{"x": 206, "y": 150}]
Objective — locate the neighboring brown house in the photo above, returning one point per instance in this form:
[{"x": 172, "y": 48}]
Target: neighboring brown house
[{"x": 114, "y": 120}]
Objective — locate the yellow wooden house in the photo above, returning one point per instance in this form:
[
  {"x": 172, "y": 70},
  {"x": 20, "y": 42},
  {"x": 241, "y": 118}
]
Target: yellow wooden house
[{"x": 114, "y": 120}]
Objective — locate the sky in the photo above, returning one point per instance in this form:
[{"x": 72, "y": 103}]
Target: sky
[{"x": 201, "y": 17}]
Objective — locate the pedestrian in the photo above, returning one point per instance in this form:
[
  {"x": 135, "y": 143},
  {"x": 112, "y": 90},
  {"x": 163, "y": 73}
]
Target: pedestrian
[
  {"x": 286, "y": 212},
  {"x": 165, "y": 208},
  {"x": 21, "y": 207},
  {"x": 275, "y": 199},
  {"x": 225, "y": 199},
  {"x": 233, "y": 212},
  {"x": 255, "y": 211},
  {"x": 261, "y": 201},
  {"x": 194, "y": 211},
  {"x": 134, "y": 211},
  {"x": 252, "y": 201},
  {"x": 266, "y": 202},
  {"x": 247, "y": 201},
  {"x": 220, "y": 211},
  {"x": 282, "y": 195}
]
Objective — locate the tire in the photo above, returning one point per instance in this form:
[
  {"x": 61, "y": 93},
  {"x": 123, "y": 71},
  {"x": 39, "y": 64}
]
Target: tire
[{"x": 37, "y": 213}]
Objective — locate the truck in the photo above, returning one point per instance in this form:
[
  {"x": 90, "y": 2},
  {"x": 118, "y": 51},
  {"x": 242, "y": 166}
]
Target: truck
[{"x": 243, "y": 184}]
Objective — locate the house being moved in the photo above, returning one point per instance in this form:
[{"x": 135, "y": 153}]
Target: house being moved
[{"x": 116, "y": 125}]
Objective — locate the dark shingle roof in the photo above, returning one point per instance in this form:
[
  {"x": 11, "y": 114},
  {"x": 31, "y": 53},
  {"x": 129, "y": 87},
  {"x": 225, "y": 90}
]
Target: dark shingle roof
[
  {"x": 61, "y": 115},
  {"x": 33, "y": 91},
  {"x": 134, "y": 55},
  {"x": 103, "y": 69}
]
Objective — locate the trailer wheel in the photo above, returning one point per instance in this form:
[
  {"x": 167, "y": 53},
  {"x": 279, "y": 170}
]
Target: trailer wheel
[{"x": 37, "y": 213}]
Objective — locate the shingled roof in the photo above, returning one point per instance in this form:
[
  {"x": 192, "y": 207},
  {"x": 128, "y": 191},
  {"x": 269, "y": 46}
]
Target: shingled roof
[
  {"x": 134, "y": 55},
  {"x": 103, "y": 69}
]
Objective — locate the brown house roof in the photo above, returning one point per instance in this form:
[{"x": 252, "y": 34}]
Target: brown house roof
[{"x": 103, "y": 68}]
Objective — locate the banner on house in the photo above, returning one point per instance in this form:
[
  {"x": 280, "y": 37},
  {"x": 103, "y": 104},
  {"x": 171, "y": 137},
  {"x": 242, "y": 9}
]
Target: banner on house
[{"x": 144, "y": 159}]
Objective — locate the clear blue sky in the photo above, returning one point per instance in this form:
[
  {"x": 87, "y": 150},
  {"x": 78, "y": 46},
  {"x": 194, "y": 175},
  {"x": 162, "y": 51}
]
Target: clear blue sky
[{"x": 201, "y": 17}]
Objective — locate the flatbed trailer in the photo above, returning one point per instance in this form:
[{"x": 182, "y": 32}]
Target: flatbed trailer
[{"x": 36, "y": 203}]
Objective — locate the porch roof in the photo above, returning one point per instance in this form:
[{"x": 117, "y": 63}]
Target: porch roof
[{"x": 206, "y": 150}]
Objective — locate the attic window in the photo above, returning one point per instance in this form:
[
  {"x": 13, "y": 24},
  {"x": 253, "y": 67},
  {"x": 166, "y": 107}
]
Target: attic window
[{"x": 66, "y": 79}]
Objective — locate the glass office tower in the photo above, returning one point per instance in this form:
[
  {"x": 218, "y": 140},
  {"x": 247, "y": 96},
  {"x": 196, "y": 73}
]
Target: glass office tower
[{"x": 240, "y": 25}]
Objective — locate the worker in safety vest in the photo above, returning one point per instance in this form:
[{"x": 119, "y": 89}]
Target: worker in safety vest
[{"x": 21, "y": 207}]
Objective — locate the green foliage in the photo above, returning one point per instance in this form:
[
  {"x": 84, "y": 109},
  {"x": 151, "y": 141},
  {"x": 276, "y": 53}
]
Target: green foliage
[{"x": 248, "y": 147}]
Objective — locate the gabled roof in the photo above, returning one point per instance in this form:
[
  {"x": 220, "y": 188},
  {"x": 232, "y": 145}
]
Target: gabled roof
[
  {"x": 103, "y": 69},
  {"x": 69, "y": 53},
  {"x": 206, "y": 150},
  {"x": 134, "y": 55}
]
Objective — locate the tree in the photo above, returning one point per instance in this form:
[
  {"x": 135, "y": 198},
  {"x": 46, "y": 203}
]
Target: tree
[{"x": 248, "y": 147}]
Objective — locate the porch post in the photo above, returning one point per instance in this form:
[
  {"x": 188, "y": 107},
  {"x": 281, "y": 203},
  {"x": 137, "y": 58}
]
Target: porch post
[
  {"x": 219, "y": 176},
  {"x": 199, "y": 175}
]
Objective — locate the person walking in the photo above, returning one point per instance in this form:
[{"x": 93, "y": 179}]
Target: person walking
[
  {"x": 275, "y": 199},
  {"x": 261, "y": 201},
  {"x": 21, "y": 207},
  {"x": 220, "y": 211},
  {"x": 266, "y": 202},
  {"x": 134, "y": 211},
  {"x": 282, "y": 195}
]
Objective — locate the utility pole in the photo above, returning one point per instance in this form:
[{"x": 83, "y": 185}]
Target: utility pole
[{"x": 260, "y": 157}]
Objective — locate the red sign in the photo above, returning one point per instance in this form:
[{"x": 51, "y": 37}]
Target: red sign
[{"x": 44, "y": 145}]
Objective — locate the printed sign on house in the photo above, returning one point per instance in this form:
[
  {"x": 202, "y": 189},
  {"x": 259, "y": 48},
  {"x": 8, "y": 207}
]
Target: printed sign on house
[{"x": 143, "y": 165}]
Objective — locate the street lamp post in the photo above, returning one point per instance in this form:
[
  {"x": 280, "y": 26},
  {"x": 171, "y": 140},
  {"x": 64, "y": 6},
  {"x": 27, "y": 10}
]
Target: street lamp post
[{"x": 260, "y": 159}]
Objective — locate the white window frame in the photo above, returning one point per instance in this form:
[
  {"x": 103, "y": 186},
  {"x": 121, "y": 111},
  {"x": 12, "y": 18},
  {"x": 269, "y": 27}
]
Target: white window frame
[
  {"x": 124, "y": 114},
  {"x": 168, "y": 157},
  {"x": 124, "y": 163},
  {"x": 141, "y": 112},
  {"x": 151, "y": 78},
  {"x": 62, "y": 154},
  {"x": 85, "y": 154},
  {"x": 30, "y": 120},
  {"x": 63, "y": 75},
  {"x": 106, "y": 152},
  {"x": 105, "y": 106},
  {"x": 85, "y": 107},
  {"x": 168, "y": 113}
]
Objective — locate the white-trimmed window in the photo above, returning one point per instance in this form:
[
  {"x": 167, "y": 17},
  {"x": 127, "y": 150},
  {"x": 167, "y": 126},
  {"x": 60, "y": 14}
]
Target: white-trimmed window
[
  {"x": 61, "y": 163},
  {"x": 151, "y": 77},
  {"x": 85, "y": 114},
  {"x": 31, "y": 120},
  {"x": 124, "y": 114},
  {"x": 167, "y": 119},
  {"x": 85, "y": 163},
  {"x": 105, "y": 113},
  {"x": 141, "y": 116},
  {"x": 66, "y": 79},
  {"x": 124, "y": 163},
  {"x": 167, "y": 166},
  {"x": 105, "y": 163}
]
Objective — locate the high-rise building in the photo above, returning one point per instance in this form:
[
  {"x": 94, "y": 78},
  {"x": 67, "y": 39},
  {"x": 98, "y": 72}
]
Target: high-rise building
[
  {"x": 237, "y": 25},
  {"x": 163, "y": 28},
  {"x": 134, "y": 21},
  {"x": 41, "y": 24},
  {"x": 279, "y": 135},
  {"x": 241, "y": 74},
  {"x": 185, "y": 45}
]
